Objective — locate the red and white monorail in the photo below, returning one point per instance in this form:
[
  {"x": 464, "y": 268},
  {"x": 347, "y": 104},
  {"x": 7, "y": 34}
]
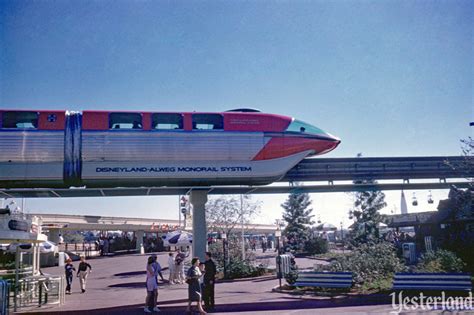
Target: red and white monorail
[{"x": 123, "y": 149}]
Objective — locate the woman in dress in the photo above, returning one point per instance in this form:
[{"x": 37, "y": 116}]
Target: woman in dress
[
  {"x": 194, "y": 288},
  {"x": 151, "y": 287}
]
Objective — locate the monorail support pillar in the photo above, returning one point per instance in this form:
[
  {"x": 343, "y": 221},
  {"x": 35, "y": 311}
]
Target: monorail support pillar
[{"x": 198, "y": 199}]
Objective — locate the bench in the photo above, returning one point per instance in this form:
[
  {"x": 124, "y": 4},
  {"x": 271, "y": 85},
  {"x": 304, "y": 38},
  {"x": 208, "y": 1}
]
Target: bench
[
  {"x": 432, "y": 281},
  {"x": 324, "y": 279}
]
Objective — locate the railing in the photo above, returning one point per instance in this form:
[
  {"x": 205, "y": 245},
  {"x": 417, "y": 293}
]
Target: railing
[
  {"x": 78, "y": 247},
  {"x": 39, "y": 290},
  {"x": 10, "y": 273},
  {"x": 83, "y": 248}
]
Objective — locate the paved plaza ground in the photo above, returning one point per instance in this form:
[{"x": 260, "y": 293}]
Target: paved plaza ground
[{"x": 116, "y": 286}]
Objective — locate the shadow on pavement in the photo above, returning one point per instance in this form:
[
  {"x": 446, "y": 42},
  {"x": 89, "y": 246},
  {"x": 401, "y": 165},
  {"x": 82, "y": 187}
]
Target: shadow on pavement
[
  {"x": 130, "y": 274},
  {"x": 291, "y": 304},
  {"x": 135, "y": 273},
  {"x": 141, "y": 284}
]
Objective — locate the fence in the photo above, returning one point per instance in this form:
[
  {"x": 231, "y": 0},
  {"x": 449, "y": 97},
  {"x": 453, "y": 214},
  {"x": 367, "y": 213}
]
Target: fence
[
  {"x": 10, "y": 273},
  {"x": 81, "y": 247},
  {"x": 87, "y": 249}
]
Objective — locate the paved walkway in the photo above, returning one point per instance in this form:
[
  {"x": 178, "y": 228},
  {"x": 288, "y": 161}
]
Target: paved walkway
[{"x": 116, "y": 286}]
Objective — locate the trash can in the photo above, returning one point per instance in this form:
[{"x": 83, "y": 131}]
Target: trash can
[
  {"x": 409, "y": 252},
  {"x": 61, "y": 259}
]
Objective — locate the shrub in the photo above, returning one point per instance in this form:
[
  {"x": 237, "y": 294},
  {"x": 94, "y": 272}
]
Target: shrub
[
  {"x": 440, "y": 261},
  {"x": 371, "y": 264},
  {"x": 7, "y": 260},
  {"x": 316, "y": 245},
  {"x": 238, "y": 268},
  {"x": 234, "y": 249}
]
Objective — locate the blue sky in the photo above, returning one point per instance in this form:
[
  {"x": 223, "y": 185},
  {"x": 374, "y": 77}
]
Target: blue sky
[{"x": 390, "y": 78}]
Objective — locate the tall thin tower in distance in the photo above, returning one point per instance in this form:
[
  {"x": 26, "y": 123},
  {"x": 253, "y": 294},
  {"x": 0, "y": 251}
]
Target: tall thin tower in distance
[{"x": 403, "y": 204}]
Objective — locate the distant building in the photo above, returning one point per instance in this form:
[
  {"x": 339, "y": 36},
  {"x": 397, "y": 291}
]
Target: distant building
[{"x": 451, "y": 227}]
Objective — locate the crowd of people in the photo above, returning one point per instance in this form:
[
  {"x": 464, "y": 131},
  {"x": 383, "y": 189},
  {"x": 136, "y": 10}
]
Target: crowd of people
[{"x": 200, "y": 278}]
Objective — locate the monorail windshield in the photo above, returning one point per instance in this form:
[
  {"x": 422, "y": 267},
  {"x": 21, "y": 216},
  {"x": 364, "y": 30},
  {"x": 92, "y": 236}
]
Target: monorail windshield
[{"x": 300, "y": 126}]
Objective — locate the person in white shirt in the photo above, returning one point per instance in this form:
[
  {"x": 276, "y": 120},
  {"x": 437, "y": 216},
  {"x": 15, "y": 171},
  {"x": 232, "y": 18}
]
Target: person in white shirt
[
  {"x": 179, "y": 265},
  {"x": 172, "y": 269}
]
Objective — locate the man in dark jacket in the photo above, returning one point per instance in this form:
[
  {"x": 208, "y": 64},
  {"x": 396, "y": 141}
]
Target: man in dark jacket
[{"x": 209, "y": 278}]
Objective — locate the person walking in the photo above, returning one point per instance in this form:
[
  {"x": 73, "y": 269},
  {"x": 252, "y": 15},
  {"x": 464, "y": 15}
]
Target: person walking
[
  {"x": 202, "y": 269},
  {"x": 172, "y": 269},
  {"x": 194, "y": 290},
  {"x": 151, "y": 287},
  {"x": 209, "y": 280},
  {"x": 82, "y": 273},
  {"x": 69, "y": 269}
]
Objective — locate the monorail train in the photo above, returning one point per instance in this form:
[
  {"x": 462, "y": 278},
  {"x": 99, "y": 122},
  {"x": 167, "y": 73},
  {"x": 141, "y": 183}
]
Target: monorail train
[{"x": 125, "y": 149}]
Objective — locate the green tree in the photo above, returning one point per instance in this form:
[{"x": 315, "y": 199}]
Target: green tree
[
  {"x": 297, "y": 216},
  {"x": 367, "y": 205}
]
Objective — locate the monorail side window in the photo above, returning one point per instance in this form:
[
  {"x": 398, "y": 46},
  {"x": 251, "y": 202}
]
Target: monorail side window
[
  {"x": 125, "y": 121},
  {"x": 208, "y": 122},
  {"x": 167, "y": 121},
  {"x": 20, "y": 120}
]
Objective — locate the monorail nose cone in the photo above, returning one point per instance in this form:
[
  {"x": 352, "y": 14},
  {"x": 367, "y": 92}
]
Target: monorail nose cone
[
  {"x": 332, "y": 143},
  {"x": 334, "y": 138}
]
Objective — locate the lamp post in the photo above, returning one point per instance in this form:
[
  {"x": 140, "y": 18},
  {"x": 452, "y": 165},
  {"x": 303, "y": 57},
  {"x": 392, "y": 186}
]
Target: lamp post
[
  {"x": 277, "y": 236},
  {"x": 183, "y": 209},
  {"x": 342, "y": 238},
  {"x": 224, "y": 243}
]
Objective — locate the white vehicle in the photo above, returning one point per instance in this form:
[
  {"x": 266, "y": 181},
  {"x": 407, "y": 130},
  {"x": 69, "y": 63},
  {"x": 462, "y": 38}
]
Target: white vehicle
[{"x": 177, "y": 238}]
